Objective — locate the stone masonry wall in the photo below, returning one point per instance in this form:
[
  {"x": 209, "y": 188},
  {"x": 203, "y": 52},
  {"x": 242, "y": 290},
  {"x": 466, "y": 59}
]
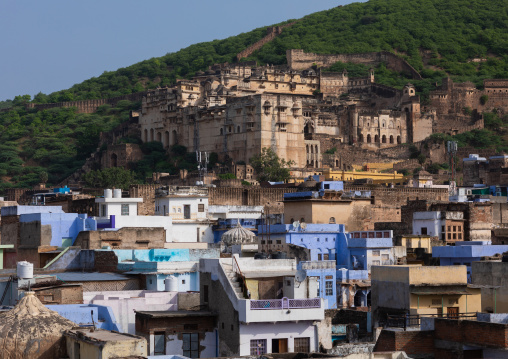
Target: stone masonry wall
[{"x": 300, "y": 60}]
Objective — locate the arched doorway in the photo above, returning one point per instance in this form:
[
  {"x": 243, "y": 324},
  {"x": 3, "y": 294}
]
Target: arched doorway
[
  {"x": 391, "y": 139},
  {"x": 174, "y": 137},
  {"x": 166, "y": 139},
  {"x": 383, "y": 140},
  {"x": 376, "y": 139},
  {"x": 369, "y": 140},
  {"x": 398, "y": 140},
  {"x": 152, "y": 138},
  {"x": 146, "y": 135},
  {"x": 159, "y": 137}
]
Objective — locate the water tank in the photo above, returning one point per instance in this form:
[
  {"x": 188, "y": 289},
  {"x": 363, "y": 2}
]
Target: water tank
[
  {"x": 108, "y": 193},
  {"x": 117, "y": 193},
  {"x": 171, "y": 284},
  {"x": 25, "y": 270}
]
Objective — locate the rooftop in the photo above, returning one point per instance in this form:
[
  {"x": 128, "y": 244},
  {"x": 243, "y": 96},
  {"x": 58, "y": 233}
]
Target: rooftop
[
  {"x": 100, "y": 335},
  {"x": 176, "y": 314}
]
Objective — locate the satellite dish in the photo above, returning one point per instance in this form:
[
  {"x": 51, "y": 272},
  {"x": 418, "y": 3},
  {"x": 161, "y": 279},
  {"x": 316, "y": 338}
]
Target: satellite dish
[
  {"x": 296, "y": 224},
  {"x": 303, "y": 225},
  {"x": 300, "y": 275}
]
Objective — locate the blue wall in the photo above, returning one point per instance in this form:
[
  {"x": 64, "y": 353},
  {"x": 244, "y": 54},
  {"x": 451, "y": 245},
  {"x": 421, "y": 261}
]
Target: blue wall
[
  {"x": 187, "y": 282},
  {"x": 63, "y": 225},
  {"x": 81, "y": 314},
  {"x": 322, "y": 274}
]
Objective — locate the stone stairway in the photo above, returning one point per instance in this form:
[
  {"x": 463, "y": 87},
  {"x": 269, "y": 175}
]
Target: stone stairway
[{"x": 233, "y": 279}]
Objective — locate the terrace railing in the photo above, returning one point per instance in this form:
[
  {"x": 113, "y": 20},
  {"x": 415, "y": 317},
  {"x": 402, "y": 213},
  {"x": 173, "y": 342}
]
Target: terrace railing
[{"x": 285, "y": 303}]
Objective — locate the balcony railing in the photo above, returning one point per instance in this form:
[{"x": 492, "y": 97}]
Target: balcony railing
[
  {"x": 285, "y": 303},
  {"x": 405, "y": 321}
]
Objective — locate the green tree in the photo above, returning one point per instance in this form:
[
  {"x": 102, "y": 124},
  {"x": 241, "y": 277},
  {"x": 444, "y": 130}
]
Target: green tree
[
  {"x": 269, "y": 167},
  {"x": 115, "y": 177}
]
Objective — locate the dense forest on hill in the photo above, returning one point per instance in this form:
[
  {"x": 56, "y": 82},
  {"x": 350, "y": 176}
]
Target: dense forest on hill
[{"x": 437, "y": 37}]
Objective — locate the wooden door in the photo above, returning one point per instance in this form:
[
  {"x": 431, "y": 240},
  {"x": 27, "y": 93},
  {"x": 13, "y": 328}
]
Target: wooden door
[{"x": 453, "y": 312}]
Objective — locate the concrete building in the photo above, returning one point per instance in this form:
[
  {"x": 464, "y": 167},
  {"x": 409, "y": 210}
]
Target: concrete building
[
  {"x": 465, "y": 253},
  {"x": 447, "y": 226},
  {"x": 279, "y": 316},
  {"x": 320, "y": 239},
  {"x": 492, "y": 277},
  {"x": 193, "y": 334},
  {"x": 124, "y": 304},
  {"x": 188, "y": 210},
  {"x": 103, "y": 344},
  {"x": 331, "y": 207},
  {"x": 422, "y": 291},
  {"x": 87, "y": 315},
  {"x": 117, "y": 212}
]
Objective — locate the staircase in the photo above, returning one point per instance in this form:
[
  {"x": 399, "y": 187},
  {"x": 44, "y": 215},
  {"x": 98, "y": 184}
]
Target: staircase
[{"x": 233, "y": 279}]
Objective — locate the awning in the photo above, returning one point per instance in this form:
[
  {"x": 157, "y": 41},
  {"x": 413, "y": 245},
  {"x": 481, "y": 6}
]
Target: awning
[{"x": 440, "y": 290}]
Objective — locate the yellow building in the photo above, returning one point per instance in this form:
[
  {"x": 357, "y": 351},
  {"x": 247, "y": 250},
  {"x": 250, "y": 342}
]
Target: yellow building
[
  {"x": 350, "y": 212},
  {"x": 412, "y": 243},
  {"x": 376, "y": 177},
  {"x": 422, "y": 291}
]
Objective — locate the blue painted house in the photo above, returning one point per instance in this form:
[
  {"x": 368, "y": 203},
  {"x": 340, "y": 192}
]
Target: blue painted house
[
  {"x": 156, "y": 265},
  {"x": 464, "y": 253}
]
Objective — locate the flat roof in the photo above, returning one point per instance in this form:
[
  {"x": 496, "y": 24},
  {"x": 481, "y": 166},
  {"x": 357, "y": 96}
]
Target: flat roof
[
  {"x": 176, "y": 314},
  {"x": 265, "y": 274},
  {"x": 100, "y": 335},
  {"x": 89, "y": 277}
]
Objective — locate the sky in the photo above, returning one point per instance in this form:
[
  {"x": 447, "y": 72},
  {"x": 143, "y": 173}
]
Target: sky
[{"x": 48, "y": 46}]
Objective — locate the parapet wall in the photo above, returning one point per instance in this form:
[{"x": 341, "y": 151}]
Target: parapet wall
[
  {"x": 88, "y": 106},
  {"x": 297, "y": 59}
]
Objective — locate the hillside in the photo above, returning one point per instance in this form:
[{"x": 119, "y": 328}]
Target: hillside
[{"x": 467, "y": 40}]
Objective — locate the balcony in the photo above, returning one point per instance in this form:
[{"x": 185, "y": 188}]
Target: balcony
[
  {"x": 309, "y": 265},
  {"x": 285, "y": 303}
]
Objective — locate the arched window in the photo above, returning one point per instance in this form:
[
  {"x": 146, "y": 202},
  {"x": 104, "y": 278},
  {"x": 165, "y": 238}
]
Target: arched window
[
  {"x": 159, "y": 137},
  {"x": 332, "y": 220},
  {"x": 166, "y": 139},
  {"x": 174, "y": 137},
  {"x": 383, "y": 139},
  {"x": 376, "y": 139},
  {"x": 398, "y": 140},
  {"x": 369, "y": 140},
  {"x": 238, "y": 129},
  {"x": 146, "y": 135},
  {"x": 152, "y": 138},
  {"x": 391, "y": 139},
  {"x": 114, "y": 160},
  {"x": 221, "y": 131}
]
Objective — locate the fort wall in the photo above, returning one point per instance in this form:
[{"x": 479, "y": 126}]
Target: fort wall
[{"x": 297, "y": 59}]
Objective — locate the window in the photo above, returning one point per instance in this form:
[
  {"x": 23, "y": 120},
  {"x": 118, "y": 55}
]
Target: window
[
  {"x": 319, "y": 257},
  {"x": 125, "y": 209},
  {"x": 183, "y": 281},
  {"x": 190, "y": 345},
  {"x": 326, "y": 257},
  {"x": 442, "y": 228},
  {"x": 376, "y": 263},
  {"x": 288, "y": 283},
  {"x": 104, "y": 213},
  {"x": 460, "y": 235},
  {"x": 186, "y": 211},
  {"x": 424, "y": 230},
  {"x": 329, "y": 287},
  {"x": 449, "y": 228},
  {"x": 279, "y": 241},
  {"x": 201, "y": 207},
  {"x": 376, "y": 253},
  {"x": 258, "y": 347},
  {"x": 302, "y": 345},
  {"x": 332, "y": 220},
  {"x": 318, "y": 289},
  {"x": 385, "y": 257},
  {"x": 159, "y": 343},
  {"x": 460, "y": 228},
  {"x": 455, "y": 228},
  {"x": 205, "y": 294}
]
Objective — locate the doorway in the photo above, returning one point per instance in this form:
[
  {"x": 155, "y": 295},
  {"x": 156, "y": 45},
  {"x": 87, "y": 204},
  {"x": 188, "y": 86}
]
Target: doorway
[
  {"x": 280, "y": 345},
  {"x": 186, "y": 211},
  {"x": 453, "y": 312}
]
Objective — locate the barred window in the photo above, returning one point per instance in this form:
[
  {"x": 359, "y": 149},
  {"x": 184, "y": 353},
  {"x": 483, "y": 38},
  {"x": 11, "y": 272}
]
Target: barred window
[
  {"x": 329, "y": 287},
  {"x": 201, "y": 207},
  {"x": 191, "y": 345},
  {"x": 302, "y": 345},
  {"x": 125, "y": 209},
  {"x": 258, "y": 347}
]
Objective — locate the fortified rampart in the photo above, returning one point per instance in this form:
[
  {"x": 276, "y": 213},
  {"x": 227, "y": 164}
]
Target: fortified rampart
[
  {"x": 271, "y": 33},
  {"x": 297, "y": 59},
  {"x": 88, "y": 106}
]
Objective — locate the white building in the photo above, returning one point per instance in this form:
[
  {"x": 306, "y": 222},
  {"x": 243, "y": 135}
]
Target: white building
[
  {"x": 116, "y": 212},
  {"x": 260, "y": 307},
  {"x": 188, "y": 209}
]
